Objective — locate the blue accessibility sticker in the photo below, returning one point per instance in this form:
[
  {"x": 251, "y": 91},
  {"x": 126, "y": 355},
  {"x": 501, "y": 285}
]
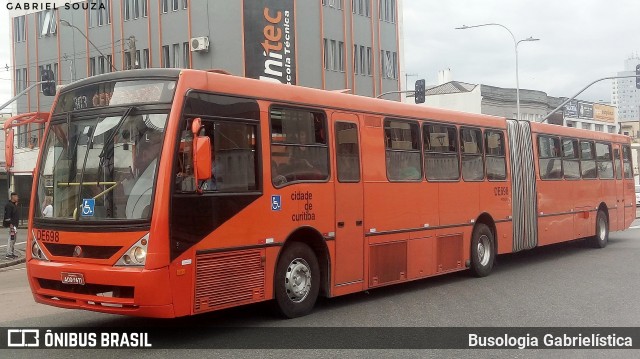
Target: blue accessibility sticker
[
  {"x": 88, "y": 204},
  {"x": 276, "y": 203}
]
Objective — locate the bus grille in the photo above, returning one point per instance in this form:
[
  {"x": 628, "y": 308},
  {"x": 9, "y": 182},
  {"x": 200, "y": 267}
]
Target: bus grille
[
  {"x": 94, "y": 252},
  {"x": 228, "y": 279},
  {"x": 113, "y": 291}
]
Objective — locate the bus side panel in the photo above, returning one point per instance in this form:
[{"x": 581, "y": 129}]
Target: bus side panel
[
  {"x": 496, "y": 201},
  {"x": 555, "y": 211}
]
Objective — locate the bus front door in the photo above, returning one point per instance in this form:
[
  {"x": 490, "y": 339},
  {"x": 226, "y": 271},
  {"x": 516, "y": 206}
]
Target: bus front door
[{"x": 349, "y": 264}]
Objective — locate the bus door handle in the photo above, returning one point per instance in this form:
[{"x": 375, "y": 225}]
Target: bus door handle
[
  {"x": 359, "y": 223},
  {"x": 340, "y": 224}
]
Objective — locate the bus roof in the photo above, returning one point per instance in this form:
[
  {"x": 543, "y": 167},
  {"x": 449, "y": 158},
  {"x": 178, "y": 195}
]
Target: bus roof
[
  {"x": 125, "y": 75},
  {"x": 305, "y": 96}
]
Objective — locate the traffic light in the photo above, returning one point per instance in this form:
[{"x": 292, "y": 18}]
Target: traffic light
[
  {"x": 638, "y": 76},
  {"x": 49, "y": 85},
  {"x": 419, "y": 93}
]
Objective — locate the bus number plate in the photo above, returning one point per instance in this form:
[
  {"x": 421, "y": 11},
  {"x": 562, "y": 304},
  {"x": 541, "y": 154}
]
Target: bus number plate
[{"x": 72, "y": 278}]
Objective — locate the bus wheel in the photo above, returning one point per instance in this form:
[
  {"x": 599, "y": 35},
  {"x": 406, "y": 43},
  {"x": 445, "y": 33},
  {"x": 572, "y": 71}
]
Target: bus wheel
[
  {"x": 297, "y": 280},
  {"x": 601, "y": 238},
  {"x": 482, "y": 251}
]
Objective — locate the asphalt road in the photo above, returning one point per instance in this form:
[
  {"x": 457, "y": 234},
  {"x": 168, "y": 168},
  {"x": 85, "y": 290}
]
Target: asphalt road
[{"x": 562, "y": 285}]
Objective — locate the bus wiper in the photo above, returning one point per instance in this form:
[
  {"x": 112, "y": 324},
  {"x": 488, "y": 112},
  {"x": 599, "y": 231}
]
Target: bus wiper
[{"x": 110, "y": 140}]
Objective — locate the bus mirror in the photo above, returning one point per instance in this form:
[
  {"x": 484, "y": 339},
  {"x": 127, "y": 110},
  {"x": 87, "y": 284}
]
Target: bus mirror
[
  {"x": 202, "y": 159},
  {"x": 196, "y": 125}
]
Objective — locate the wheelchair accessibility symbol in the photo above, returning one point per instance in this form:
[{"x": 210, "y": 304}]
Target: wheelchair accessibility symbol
[
  {"x": 276, "y": 203},
  {"x": 88, "y": 205}
]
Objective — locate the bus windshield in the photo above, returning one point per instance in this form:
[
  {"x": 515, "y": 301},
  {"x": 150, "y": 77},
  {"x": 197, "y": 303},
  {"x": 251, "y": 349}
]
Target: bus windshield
[{"x": 100, "y": 167}]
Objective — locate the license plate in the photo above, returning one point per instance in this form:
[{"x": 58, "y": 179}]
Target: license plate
[{"x": 72, "y": 278}]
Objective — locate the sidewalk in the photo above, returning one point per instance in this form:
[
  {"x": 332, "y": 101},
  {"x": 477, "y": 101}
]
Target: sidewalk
[{"x": 19, "y": 248}]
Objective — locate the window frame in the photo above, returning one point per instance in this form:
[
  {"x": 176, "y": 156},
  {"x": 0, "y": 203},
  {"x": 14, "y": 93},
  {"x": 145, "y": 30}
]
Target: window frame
[
  {"x": 558, "y": 156},
  {"x": 610, "y": 161},
  {"x": 593, "y": 153},
  {"x": 419, "y": 150},
  {"x": 424, "y": 150},
  {"x": 327, "y": 146},
  {"x": 481, "y": 155},
  {"x": 504, "y": 155},
  {"x": 576, "y": 143},
  {"x": 337, "y": 153}
]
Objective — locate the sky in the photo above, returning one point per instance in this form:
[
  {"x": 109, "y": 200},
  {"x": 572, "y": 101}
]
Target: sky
[{"x": 580, "y": 41}]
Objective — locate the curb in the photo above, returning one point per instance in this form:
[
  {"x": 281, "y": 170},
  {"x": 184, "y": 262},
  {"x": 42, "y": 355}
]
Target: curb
[{"x": 21, "y": 259}]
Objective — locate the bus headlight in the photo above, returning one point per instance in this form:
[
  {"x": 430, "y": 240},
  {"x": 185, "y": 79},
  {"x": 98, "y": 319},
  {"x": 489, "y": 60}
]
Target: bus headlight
[
  {"x": 136, "y": 255},
  {"x": 36, "y": 251}
]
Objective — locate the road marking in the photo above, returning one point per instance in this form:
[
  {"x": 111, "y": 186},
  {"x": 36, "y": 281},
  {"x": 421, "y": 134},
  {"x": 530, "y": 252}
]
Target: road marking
[
  {"x": 14, "y": 269},
  {"x": 4, "y": 245},
  {"x": 634, "y": 227}
]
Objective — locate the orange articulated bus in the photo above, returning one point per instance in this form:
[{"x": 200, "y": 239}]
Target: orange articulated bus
[{"x": 178, "y": 192}]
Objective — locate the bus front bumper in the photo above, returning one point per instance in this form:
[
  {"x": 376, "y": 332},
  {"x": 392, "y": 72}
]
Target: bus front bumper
[{"x": 116, "y": 290}]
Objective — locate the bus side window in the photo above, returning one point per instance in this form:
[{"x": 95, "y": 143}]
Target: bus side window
[
  {"x": 588, "y": 159},
  {"x": 626, "y": 162},
  {"x": 472, "y": 151},
  {"x": 495, "y": 160},
  {"x": 570, "y": 158},
  {"x": 550, "y": 163},
  {"x": 402, "y": 154}
]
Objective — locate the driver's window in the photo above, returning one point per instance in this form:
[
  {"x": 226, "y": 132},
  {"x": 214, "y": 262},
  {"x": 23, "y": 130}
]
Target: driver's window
[
  {"x": 234, "y": 164},
  {"x": 299, "y": 149}
]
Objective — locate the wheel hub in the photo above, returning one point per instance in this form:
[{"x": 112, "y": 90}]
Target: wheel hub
[
  {"x": 297, "y": 280},
  {"x": 484, "y": 250}
]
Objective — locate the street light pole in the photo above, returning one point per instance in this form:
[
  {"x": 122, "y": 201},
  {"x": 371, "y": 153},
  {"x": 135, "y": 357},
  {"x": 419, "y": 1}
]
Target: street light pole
[
  {"x": 515, "y": 45},
  {"x": 67, "y": 23}
]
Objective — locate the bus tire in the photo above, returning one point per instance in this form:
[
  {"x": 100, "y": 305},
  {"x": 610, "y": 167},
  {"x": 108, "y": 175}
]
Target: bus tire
[
  {"x": 601, "y": 238},
  {"x": 297, "y": 280},
  {"x": 483, "y": 253}
]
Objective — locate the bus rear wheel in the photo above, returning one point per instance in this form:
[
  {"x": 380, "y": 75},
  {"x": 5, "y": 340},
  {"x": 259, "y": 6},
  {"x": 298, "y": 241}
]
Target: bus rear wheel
[
  {"x": 483, "y": 252},
  {"x": 601, "y": 237},
  {"x": 297, "y": 280}
]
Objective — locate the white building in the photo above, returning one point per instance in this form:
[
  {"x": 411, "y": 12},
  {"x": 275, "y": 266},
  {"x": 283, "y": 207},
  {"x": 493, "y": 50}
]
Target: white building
[{"x": 624, "y": 93}]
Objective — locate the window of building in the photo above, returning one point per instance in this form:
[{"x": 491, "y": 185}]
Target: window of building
[
  {"x": 361, "y": 7},
  {"x": 340, "y": 56},
  {"x": 299, "y": 150},
  {"x": 347, "y": 152},
  {"x": 599, "y": 128},
  {"x": 136, "y": 8},
  {"x": 109, "y": 63},
  {"x": 166, "y": 57},
  {"x": 145, "y": 9},
  {"x": 549, "y": 157},
  {"x": 570, "y": 158},
  {"x": 604, "y": 160},
  {"x": 92, "y": 66},
  {"x": 102, "y": 64},
  {"x": 333, "y": 55},
  {"x": 145, "y": 58},
  {"x": 387, "y": 10},
  {"x": 369, "y": 59},
  {"x": 586, "y": 126},
  {"x": 21, "y": 80},
  {"x": 46, "y": 23},
  {"x": 495, "y": 157},
  {"x": 612, "y": 129},
  {"x": 136, "y": 64},
  {"x": 127, "y": 61},
  {"x": 472, "y": 150},
  {"x": 127, "y": 10},
  {"x": 184, "y": 4},
  {"x": 165, "y": 6},
  {"x": 176, "y": 55},
  {"x": 588, "y": 159},
  {"x": 336, "y": 4},
  {"x": 389, "y": 64},
  {"x": 402, "y": 144},
  {"x": 186, "y": 50},
  {"x": 174, "y": 5},
  {"x": 19, "y": 29}
]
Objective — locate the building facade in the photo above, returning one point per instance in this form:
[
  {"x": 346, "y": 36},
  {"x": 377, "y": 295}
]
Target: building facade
[
  {"x": 326, "y": 44},
  {"x": 624, "y": 93}
]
